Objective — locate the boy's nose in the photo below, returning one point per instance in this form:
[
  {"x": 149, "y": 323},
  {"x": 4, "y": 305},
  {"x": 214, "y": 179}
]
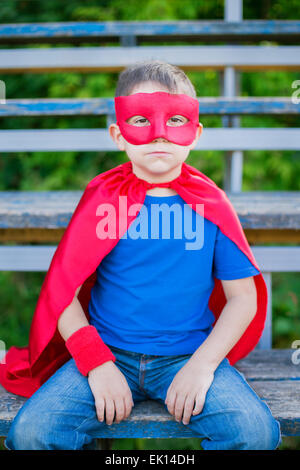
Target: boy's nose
[{"x": 160, "y": 139}]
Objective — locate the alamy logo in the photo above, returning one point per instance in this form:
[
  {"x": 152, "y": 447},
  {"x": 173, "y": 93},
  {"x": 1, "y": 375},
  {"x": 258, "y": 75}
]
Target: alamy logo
[
  {"x": 2, "y": 92},
  {"x": 296, "y": 93},
  {"x": 160, "y": 221},
  {"x": 296, "y": 354},
  {"x": 2, "y": 352}
]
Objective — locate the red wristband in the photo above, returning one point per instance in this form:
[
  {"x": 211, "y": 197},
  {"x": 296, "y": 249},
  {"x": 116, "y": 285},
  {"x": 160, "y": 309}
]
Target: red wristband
[{"x": 88, "y": 349}]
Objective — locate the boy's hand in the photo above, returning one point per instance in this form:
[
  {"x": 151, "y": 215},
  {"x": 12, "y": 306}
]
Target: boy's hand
[
  {"x": 111, "y": 392},
  {"x": 188, "y": 388}
]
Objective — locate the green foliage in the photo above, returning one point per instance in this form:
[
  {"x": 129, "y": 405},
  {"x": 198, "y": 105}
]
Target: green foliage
[
  {"x": 285, "y": 301},
  {"x": 157, "y": 444},
  {"x": 19, "y": 293},
  {"x": 106, "y": 10}
]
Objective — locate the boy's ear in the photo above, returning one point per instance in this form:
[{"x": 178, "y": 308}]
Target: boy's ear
[
  {"x": 115, "y": 133},
  {"x": 200, "y": 128},
  {"x": 198, "y": 134}
]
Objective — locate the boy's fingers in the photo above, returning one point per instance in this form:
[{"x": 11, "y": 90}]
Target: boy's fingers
[
  {"x": 109, "y": 411},
  {"x": 100, "y": 409},
  {"x": 128, "y": 406},
  {"x": 199, "y": 403},
  {"x": 170, "y": 401},
  {"x": 179, "y": 406},
  {"x": 188, "y": 408},
  {"x": 120, "y": 409}
]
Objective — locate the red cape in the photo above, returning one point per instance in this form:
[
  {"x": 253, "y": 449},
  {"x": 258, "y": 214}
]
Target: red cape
[{"x": 80, "y": 251}]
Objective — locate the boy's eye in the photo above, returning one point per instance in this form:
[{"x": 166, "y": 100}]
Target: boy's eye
[
  {"x": 176, "y": 120},
  {"x": 137, "y": 121}
]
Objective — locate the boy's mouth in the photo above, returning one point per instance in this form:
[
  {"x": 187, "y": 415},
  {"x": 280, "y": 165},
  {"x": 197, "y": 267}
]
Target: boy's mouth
[{"x": 158, "y": 153}]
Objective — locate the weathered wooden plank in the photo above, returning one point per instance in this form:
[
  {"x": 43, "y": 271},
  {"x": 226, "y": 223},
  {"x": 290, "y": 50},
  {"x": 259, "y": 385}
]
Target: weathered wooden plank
[
  {"x": 48, "y": 209},
  {"x": 283, "y": 399},
  {"x": 53, "y": 209},
  {"x": 92, "y": 140},
  {"x": 32, "y": 235},
  {"x": 105, "y": 106},
  {"x": 267, "y": 209},
  {"x": 45, "y": 235},
  {"x": 32, "y": 209},
  {"x": 150, "y": 419},
  {"x": 113, "y": 59},
  {"x": 162, "y": 425},
  {"x": 273, "y": 364},
  {"x": 57, "y": 140},
  {"x": 58, "y": 107},
  {"x": 26, "y": 258},
  {"x": 278, "y": 258},
  {"x": 38, "y": 258},
  {"x": 256, "y": 237},
  {"x": 150, "y": 30}
]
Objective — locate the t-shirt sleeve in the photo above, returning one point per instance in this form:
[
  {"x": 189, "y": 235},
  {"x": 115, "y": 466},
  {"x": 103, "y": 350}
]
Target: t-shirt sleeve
[{"x": 229, "y": 261}]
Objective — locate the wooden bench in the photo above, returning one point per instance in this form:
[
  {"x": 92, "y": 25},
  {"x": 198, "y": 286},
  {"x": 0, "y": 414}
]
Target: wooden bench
[
  {"x": 142, "y": 32},
  {"x": 271, "y": 374},
  {"x": 267, "y": 217}
]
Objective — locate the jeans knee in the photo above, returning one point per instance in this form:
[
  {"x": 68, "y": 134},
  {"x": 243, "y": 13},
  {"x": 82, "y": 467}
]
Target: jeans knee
[
  {"x": 23, "y": 433},
  {"x": 45, "y": 431},
  {"x": 241, "y": 429},
  {"x": 261, "y": 431},
  {"x": 270, "y": 435}
]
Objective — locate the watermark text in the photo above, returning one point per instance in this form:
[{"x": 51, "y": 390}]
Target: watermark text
[{"x": 152, "y": 222}]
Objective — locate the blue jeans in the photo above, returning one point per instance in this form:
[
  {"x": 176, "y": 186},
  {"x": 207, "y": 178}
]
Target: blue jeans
[{"x": 61, "y": 414}]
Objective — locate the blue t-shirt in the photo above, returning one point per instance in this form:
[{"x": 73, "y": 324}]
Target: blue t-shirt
[{"x": 152, "y": 290}]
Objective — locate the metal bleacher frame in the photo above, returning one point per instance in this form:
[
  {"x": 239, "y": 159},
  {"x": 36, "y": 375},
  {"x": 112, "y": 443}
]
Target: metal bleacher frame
[{"x": 265, "y": 216}]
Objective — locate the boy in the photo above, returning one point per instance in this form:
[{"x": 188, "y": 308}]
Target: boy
[{"x": 150, "y": 331}]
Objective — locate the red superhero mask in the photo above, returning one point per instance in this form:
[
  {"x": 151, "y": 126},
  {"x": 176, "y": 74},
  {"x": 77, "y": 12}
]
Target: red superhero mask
[{"x": 158, "y": 108}]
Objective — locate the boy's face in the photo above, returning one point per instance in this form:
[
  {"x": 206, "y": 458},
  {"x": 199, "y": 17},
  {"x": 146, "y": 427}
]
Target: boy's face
[{"x": 166, "y": 163}]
